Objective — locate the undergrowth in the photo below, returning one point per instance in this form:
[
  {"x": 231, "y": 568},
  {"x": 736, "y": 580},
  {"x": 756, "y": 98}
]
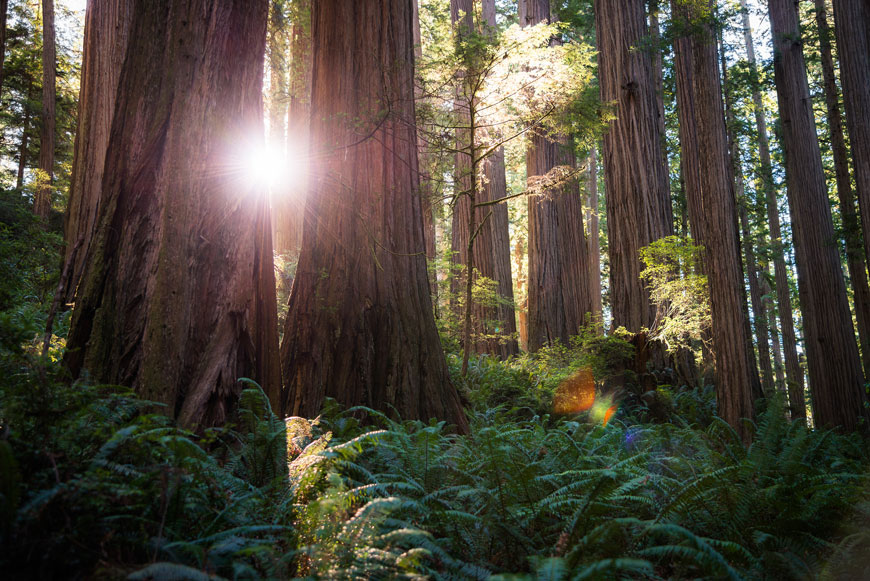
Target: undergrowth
[{"x": 95, "y": 486}]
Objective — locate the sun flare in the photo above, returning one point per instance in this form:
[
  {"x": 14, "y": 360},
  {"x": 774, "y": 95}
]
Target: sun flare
[{"x": 275, "y": 167}]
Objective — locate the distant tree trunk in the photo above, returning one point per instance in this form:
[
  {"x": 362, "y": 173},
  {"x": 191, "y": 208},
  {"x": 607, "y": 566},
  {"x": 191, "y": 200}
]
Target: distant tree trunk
[
  {"x": 107, "y": 27},
  {"x": 852, "y": 27},
  {"x": 836, "y": 380},
  {"x": 635, "y": 176},
  {"x": 25, "y": 136},
  {"x": 4, "y": 11},
  {"x": 279, "y": 105},
  {"x": 710, "y": 198},
  {"x": 496, "y": 183},
  {"x": 593, "y": 239},
  {"x": 426, "y": 192},
  {"x": 751, "y": 264},
  {"x": 289, "y": 207},
  {"x": 659, "y": 83},
  {"x": 794, "y": 372},
  {"x": 471, "y": 241},
  {"x": 851, "y": 225},
  {"x": 42, "y": 199},
  {"x": 558, "y": 292},
  {"x": 360, "y": 327},
  {"x": 177, "y": 299},
  {"x": 778, "y": 367}
]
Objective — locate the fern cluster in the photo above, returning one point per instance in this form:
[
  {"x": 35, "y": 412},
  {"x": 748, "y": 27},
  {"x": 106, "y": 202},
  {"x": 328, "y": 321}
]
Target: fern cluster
[{"x": 94, "y": 485}]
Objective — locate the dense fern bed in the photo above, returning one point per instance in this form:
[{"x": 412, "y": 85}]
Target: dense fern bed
[{"x": 95, "y": 486}]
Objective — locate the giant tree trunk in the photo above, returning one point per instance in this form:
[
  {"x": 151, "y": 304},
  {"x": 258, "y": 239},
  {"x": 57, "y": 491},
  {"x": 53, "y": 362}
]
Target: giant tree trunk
[
  {"x": 836, "y": 381},
  {"x": 42, "y": 199},
  {"x": 851, "y": 225},
  {"x": 360, "y": 327},
  {"x": 107, "y": 27},
  {"x": 558, "y": 292},
  {"x": 635, "y": 177},
  {"x": 710, "y": 198},
  {"x": 750, "y": 263},
  {"x": 794, "y": 372},
  {"x": 852, "y": 18},
  {"x": 177, "y": 299}
]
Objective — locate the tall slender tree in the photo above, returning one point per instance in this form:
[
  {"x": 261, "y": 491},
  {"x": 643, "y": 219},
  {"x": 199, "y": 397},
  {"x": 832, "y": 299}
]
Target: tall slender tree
[
  {"x": 107, "y": 27},
  {"x": 593, "y": 232},
  {"x": 558, "y": 292},
  {"x": 710, "y": 197},
  {"x": 495, "y": 181},
  {"x": 177, "y": 298},
  {"x": 750, "y": 262},
  {"x": 836, "y": 380},
  {"x": 4, "y": 13},
  {"x": 471, "y": 232},
  {"x": 426, "y": 191},
  {"x": 42, "y": 199},
  {"x": 637, "y": 191},
  {"x": 854, "y": 248},
  {"x": 794, "y": 372},
  {"x": 852, "y": 27},
  {"x": 289, "y": 203},
  {"x": 360, "y": 325}
]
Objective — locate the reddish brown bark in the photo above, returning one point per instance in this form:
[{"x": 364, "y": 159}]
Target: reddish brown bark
[
  {"x": 177, "y": 299},
  {"x": 710, "y": 198},
  {"x": 360, "y": 325},
  {"x": 107, "y": 26},
  {"x": 854, "y": 249},
  {"x": 42, "y": 197},
  {"x": 852, "y": 18},
  {"x": 558, "y": 291},
  {"x": 836, "y": 380},
  {"x": 635, "y": 176}
]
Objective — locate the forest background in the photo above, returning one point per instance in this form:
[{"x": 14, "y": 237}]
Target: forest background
[{"x": 656, "y": 368}]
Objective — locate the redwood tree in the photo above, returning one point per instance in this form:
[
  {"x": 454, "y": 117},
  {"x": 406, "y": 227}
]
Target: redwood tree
[
  {"x": 558, "y": 292},
  {"x": 107, "y": 27},
  {"x": 637, "y": 193},
  {"x": 42, "y": 199},
  {"x": 854, "y": 250},
  {"x": 4, "y": 12},
  {"x": 852, "y": 27},
  {"x": 710, "y": 198},
  {"x": 794, "y": 372},
  {"x": 177, "y": 298},
  {"x": 471, "y": 233},
  {"x": 836, "y": 380},
  {"x": 496, "y": 184},
  {"x": 360, "y": 327}
]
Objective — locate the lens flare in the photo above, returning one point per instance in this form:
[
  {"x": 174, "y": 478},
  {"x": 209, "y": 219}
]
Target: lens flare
[{"x": 576, "y": 393}]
